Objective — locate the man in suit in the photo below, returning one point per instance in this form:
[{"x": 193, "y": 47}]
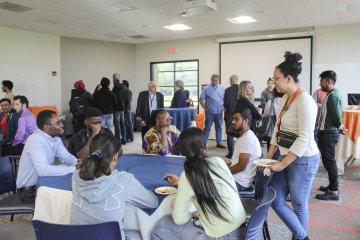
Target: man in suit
[
  {"x": 148, "y": 101},
  {"x": 230, "y": 100}
]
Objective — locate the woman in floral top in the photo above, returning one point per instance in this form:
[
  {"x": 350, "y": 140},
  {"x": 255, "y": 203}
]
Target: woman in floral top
[{"x": 159, "y": 139}]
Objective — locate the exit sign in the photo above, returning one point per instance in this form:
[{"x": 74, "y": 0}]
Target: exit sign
[{"x": 172, "y": 50}]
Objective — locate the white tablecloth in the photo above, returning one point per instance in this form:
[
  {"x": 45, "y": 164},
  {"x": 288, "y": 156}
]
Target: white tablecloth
[
  {"x": 54, "y": 206},
  {"x": 345, "y": 149}
]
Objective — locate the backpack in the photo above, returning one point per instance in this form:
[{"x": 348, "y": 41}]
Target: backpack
[{"x": 79, "y": 104}]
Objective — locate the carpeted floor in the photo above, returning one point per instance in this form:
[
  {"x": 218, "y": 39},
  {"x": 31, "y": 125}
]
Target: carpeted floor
[{"x": 338, "y": 220}]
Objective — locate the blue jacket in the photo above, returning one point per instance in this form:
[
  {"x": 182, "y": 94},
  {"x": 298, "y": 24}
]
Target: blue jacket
[{"x": 179, "y": 99}]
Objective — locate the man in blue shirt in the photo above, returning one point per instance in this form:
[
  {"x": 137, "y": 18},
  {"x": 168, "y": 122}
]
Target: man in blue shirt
[
  {"x": 212, "y": 100},
  {"x": 39, "y": 154}
]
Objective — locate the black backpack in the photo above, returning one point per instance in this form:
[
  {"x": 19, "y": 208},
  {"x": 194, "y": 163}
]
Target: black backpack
[{"x": 79, "y": 104}]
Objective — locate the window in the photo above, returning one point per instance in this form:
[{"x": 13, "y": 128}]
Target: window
[{"x": 166, "y": 73}]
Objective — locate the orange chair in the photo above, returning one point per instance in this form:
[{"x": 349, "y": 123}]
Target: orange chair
[{"x": 200, "y": 118}]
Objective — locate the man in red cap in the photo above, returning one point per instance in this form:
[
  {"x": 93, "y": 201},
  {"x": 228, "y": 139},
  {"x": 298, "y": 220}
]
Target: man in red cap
[{"x": 80, "y": 101}]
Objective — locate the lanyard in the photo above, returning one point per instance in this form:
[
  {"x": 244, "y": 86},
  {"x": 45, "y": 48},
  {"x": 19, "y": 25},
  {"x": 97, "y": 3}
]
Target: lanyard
[
  {"x": 287, "y": 105},
  {"x": 151, "y": 99}
]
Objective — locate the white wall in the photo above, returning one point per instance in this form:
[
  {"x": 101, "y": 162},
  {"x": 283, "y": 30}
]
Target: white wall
[
  {"x": 204, "y": 49},
  {"x": 91, "y": 60},
  {"x": 337, "y": 48},
  {"x": 27, "y": 59}
]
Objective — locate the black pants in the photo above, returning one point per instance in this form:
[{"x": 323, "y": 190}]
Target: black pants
[
  {"x": 27, "y": 194},
  {"x": 327, "y": 143},
  {"x": 78, "y": 123},
  {"x": 144, "y": 130},
  {"x": 12, "y": 150}
]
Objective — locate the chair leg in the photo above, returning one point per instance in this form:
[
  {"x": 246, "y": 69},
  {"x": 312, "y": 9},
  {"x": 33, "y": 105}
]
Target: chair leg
[{"x": 266, "y": 230}]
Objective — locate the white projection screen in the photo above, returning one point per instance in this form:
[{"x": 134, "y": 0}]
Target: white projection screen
[{"x": 255, "y": 60}]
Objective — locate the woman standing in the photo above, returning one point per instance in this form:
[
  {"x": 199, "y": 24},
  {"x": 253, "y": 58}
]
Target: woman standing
[
  {"x": 209, "y": 185},
  {"x": 294, "y": 136},
  {"x": 246, "y": 90}
]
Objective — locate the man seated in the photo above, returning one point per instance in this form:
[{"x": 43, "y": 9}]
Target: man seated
[
  {"x": 79, "y": 144},
  {"x": 39, "y": 154},
  {"x": 159, "y": 139},
  {"x": 247, "y": 149},
  {"x": 8, "y": 121},
  {"x": 26, "y": 126}
]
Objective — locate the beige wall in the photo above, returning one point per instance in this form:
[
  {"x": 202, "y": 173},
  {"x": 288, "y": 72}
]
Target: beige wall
[
  {"x": 91, "y": 60},
  {"x": 28, "y": 59}
]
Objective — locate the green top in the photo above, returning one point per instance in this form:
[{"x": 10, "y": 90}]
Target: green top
[
  {"x": 216, "y": 227},
  {"x": 330, "y": 118}
]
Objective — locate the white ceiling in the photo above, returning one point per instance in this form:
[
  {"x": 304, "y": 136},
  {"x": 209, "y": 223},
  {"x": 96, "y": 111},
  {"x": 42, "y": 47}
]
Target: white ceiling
[{"x": 104, "y": 20}]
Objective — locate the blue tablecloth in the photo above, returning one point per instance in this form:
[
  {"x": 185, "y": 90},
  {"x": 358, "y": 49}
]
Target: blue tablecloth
[
  {"x": 182, "y": 117},
  {"x": 150, "y": 170}
]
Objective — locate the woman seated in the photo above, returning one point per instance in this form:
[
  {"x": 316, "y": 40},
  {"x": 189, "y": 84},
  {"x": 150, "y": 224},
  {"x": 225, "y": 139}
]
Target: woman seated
[
  {"x": 100, "y": 191},
  {"x": 209, "y": 185},
  {"x": 159, "y": 139}
]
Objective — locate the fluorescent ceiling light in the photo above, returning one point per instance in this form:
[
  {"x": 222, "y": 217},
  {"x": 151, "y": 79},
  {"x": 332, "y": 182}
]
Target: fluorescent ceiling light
[
  {"x": 241, "y": 19},
  {"x": 177, "y": 27}
]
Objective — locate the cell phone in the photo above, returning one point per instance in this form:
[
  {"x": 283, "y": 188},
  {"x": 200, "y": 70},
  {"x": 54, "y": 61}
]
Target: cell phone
[{"x": 197, "y": 222}]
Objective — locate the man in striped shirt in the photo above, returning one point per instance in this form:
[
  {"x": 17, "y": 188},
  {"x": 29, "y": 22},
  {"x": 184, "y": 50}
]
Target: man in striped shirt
[{"x": 329, "y": 126}]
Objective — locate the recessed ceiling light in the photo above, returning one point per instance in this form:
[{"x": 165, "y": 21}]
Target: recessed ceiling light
[
  {"x": 241, "y": 19},
  {"x": 177, "y": 27}
]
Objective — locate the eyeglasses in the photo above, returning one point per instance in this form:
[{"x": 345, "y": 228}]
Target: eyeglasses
[{"x": 276, "y": 78}]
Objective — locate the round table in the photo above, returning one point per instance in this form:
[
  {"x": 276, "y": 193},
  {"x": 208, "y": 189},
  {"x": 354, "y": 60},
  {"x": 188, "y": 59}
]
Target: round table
[{"x": 348, "y": 147}]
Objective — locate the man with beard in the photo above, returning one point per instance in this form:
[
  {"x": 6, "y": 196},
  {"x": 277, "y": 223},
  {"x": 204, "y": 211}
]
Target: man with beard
[
  {"x": 247, "y": 149},
  {"x": 329, "y": 126},
  {"x": 39, "y": 153}
]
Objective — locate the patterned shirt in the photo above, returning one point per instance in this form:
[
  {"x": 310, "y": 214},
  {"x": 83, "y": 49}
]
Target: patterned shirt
[{"x": 152, "y": 142}]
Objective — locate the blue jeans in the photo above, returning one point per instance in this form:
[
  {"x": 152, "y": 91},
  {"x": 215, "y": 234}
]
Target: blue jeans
[
  {"x": 107, "y": 122},
  {"x": 129, "y": 126},
  {"x": 167, "y": 229},
  {"x": 119, "y": 125},
  {"x": 295, "y": 179},
  {"x": 218, "y": 120}
]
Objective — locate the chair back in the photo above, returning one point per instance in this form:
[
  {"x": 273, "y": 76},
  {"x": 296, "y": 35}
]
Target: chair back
[
  {"x": 261, "y": 184},
  {"x": 254, "y": 228},
  {"x": 100, "y": 231},
  {"x": 7, "y": 180}
]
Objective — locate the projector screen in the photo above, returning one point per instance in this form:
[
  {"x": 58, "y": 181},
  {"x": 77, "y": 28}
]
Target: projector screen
[{"x": 255, "y": 60}]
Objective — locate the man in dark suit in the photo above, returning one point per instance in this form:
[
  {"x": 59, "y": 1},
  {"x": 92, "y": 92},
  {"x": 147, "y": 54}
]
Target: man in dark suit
[
  {"x": 148, "y": 101},
  {"x": 230, "y": 100}
]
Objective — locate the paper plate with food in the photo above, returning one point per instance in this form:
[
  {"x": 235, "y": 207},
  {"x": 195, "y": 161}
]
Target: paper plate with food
[
  {"x": 165, "y": 190},
  {"x": 264, "y": 162}
]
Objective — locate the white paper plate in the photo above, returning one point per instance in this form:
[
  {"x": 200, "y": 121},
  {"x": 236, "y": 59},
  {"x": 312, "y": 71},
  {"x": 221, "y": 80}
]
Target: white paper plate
[
  {"x": 264, "y": 162},
  {"x": 165, "y": 190}
]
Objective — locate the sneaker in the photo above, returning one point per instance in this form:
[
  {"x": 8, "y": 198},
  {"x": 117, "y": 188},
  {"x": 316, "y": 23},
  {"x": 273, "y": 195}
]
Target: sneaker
[
  {"x": 123, "y": 142},
  {"x": 324, "y": 189},
  {"x": 328, "y": 196},
  {"x": 228, "y": 156},
  {"x": 219, "y": 145}
]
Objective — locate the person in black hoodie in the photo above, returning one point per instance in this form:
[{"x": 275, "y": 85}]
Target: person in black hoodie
[
  {"x": 80, "y": 101},
  {"x": 105, "y": 100},
  {"x": 246, "y": 90},
  {"x": 119, "y": 118}
]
